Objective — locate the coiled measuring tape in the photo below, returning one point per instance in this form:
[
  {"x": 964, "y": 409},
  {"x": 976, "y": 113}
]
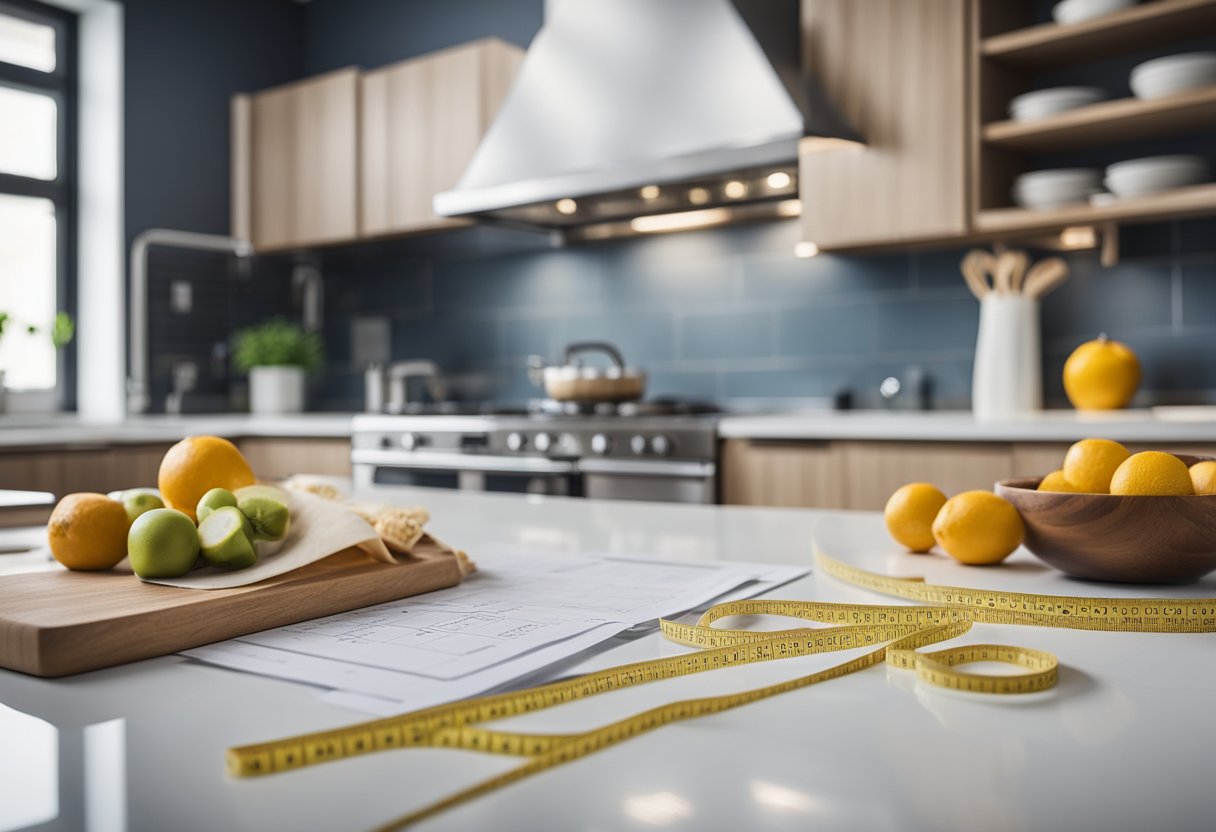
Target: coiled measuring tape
[{"x": 897, "y": 632}]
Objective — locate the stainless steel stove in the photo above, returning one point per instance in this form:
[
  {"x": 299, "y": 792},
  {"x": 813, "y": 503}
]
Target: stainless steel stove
[{"x": 660, "y": 451}]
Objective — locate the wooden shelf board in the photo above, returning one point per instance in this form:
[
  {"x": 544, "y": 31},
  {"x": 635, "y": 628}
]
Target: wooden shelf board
[
  {"x": 1108, "y": 122},
  {"x": 1132, "y": 29},
  {"x": 1193, "y": 201}
]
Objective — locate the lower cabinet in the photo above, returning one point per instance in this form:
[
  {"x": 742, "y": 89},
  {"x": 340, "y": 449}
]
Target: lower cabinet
[
  {"x": 862, "y": 475},
  {"x": 792, "y": 474},
  {"x": 278, "y": 459},
  {"x": 64, "y": 471},
  {"x": 67, "y": 470}
]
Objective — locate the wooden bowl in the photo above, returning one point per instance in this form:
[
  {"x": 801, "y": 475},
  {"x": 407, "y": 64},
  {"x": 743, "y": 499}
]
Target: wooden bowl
[{"x": 1103, "y": 537}]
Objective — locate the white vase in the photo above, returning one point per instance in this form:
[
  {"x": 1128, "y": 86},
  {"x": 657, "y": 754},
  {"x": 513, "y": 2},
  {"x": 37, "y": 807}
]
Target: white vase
[
  {"x": 276, "y": 389},
  {"x": 1007, "y": 379}
]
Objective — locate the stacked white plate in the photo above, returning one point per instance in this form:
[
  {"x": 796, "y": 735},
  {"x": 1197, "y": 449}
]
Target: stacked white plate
[
  {"x": 1074, "y": 11},
  {"x": 1162, "y": 77},
  {"x": 1154, "y": 174},
  {"x": 1042, "y": 103},
  {"x": 1044, "y": 190}
]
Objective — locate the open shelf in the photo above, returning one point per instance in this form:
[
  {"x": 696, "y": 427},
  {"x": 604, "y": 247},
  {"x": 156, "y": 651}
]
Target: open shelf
[
  {"x": 1138, "y": 27},
  {"x": 1182, "y": 202},
  {"x": 1108, "y": 122}
]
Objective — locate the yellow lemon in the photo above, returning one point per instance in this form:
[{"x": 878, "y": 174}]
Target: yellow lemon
[
  {"x": 1203, "y": 477},
  {"x": 1152, "y": 473},
  {"x": 978, "y": 527},
  {"x": 1101, "y": 375},
  {"x": 88, "y": 532},
  {"x": 1090, "y": 464},
  {"x": 1056, "y": 481},
  {"x": 910, "y": 512}
]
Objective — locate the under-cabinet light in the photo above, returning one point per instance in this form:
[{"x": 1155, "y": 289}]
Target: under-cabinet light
[
  {"x": 566, "y": 206},
  {"x": 778, "y": 179},
  {"x": 680, "y": 221},
  {"x": 805, "y": 249}
]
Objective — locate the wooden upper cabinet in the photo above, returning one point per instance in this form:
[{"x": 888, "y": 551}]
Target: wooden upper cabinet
[
  {"x": 295, "y": 163},
  {"x": 422, "y": 120},
  {"x": 897, "y": 70}
]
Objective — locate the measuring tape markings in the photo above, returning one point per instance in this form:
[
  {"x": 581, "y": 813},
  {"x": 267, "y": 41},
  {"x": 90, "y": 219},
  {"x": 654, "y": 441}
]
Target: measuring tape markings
[{"x": 899, "y": 630}]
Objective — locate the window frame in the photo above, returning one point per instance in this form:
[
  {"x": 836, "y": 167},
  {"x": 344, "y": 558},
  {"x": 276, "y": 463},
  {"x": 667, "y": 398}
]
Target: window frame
[{"x": 61, "y": 85}]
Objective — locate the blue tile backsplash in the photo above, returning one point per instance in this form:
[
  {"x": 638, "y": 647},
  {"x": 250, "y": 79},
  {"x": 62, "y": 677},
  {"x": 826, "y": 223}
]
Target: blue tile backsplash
[{"x": 732, "y": 315}]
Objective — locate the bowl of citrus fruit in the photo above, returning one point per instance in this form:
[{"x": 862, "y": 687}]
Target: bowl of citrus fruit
[{"x": 1111, "y": 515}]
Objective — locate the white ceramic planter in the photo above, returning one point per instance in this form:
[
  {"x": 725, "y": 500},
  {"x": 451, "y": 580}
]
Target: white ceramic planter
[
  {"x": 1007, "y": 379},
  {"x": 276, "y": 389}
]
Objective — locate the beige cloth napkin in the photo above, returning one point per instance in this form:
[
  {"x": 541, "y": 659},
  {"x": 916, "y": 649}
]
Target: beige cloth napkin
[{"x": 319, "y": 528}]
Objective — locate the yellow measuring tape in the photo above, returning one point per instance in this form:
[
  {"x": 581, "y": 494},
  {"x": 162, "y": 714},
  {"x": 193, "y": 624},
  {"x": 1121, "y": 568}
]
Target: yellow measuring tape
[{"x": 898, "y": 632}]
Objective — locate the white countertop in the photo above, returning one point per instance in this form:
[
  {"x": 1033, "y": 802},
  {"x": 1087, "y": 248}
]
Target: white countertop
[
  {"x": 1157, "y": 425},
  {"x": 1125, "y": 742},
  {"x": 24, "y": 430}
]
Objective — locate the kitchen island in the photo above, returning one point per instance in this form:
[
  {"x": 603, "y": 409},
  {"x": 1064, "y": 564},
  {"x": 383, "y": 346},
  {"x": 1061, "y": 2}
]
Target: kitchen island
[{"x": 1125, "y": 741}]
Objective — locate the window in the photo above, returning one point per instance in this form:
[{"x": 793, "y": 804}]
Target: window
[{"x": 37, "y": 194}]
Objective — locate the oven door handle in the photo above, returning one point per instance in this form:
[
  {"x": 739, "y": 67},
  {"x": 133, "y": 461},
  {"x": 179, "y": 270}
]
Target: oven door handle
[
  {"x": 441, "y": 461},
  {"x": 648, "y": 468}
]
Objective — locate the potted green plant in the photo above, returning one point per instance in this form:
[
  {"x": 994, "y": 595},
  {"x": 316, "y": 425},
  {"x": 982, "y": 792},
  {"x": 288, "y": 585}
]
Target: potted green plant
[
  {"x": 63, "y": 329},
  {"x": 277, "y": 354}
]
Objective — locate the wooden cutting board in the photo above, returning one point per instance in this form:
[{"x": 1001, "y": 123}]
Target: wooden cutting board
[{"x": 57, "y": 623}]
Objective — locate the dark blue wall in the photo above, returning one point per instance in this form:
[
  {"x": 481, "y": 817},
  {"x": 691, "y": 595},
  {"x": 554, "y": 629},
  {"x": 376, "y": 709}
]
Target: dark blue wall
[
  {"x": 184, "y": 61},
  {"x": 371, "y": 33},
  {"x": 732, "y": 314}
]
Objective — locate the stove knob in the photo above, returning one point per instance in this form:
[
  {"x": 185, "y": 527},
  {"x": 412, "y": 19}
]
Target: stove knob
[
  {"x": 410, "y": 441},
  {"x": 660, "y": 445},
  {"x": 516, "y": 441},
  {"x": 601, "y": 444},
  {"x": 542, "y": 442},
  {"x": 638, "y": 444}
]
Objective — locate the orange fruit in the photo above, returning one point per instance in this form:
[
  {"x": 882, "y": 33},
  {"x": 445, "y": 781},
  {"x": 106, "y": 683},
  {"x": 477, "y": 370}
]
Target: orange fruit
[
  {"x": 88, "y": 531},
  {"x": 1203, "y": 477},
  {"x": 1056, "y": 481},
  {"x": 978, "y": 528},
  {"x": 1101, "y": 375},
  {"x": 1090, "y": 463},
  {"x": 909, "y": 515},
  {"x": 198, "y": 464},
  {"x": 1153, "y": 474}
]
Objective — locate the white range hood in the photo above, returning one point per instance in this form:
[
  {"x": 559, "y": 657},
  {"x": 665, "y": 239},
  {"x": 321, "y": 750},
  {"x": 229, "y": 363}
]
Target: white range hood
[{"x": 632, "y": 107}]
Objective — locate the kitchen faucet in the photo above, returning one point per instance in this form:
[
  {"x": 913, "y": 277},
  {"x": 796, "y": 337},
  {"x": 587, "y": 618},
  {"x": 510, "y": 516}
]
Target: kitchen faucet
[{"x": 137, "y": 380}]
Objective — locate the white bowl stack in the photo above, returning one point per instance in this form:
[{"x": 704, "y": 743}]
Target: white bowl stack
[
  {"x": 1045, "y": 190},
  {"x": 1039, "y": 104},
  {"x": 1173, "y": 74},
  {"x": 1074, "y": 11},
  {"x": 1154, "y": 174}
]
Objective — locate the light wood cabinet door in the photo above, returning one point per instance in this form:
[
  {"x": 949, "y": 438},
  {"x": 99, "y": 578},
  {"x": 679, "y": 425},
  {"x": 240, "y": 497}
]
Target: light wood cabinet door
[
  {"x": 897, "y": 71},
  {"x": 295, "y": 163},
  {"x": 790, "y": 474},
  {"x": 877, "y": 469},
  {"x": 278, "y": 459},
  {"x": 421, "y": 121}
]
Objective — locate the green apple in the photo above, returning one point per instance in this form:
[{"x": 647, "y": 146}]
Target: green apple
[
  {"x": 270, "y": 518},
  {"x": 213, "y": 499},
  {"x": 138, "y": 500},
  {"x": 261, "y": 490},
  {"x": 162, "y": 543},
  {"x": 223, "y": 540}
]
